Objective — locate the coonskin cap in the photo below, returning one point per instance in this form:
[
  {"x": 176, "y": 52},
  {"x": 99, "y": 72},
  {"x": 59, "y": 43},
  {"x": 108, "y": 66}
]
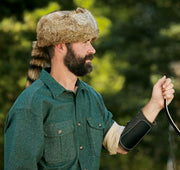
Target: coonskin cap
[{"x": 66, "y": 27}]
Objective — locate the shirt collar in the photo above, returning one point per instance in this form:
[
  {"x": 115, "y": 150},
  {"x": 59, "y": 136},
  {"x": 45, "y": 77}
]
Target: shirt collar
[{"x": 55, "y": 88}]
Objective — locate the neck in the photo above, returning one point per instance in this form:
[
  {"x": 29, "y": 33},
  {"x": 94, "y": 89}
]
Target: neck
[{"x": 63, "y": 76}]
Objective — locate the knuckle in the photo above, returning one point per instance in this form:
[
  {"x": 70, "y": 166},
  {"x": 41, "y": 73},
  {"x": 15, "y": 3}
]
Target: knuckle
[{"x": 168, "y": 79}]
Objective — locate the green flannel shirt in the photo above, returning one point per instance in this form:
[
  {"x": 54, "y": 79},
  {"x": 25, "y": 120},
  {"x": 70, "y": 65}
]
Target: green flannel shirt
[{"x": 49, "y": 127}]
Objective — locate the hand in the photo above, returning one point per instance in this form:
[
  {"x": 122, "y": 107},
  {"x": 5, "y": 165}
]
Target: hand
[
  {"x": 163, "y": 89},
  {"x": 121, "y": 150}
]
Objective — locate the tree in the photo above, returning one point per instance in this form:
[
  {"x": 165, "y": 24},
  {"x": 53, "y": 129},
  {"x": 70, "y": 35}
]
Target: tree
[{"x": 138, "y": 43}]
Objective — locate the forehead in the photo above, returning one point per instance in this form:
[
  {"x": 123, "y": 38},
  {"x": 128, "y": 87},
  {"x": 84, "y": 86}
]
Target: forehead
[
  {"x": 81, "y": 42},
  {"x": 76, "y": 45}
]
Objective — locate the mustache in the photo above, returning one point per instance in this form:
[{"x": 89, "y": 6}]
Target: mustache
[{"x": 89, "y": 57}]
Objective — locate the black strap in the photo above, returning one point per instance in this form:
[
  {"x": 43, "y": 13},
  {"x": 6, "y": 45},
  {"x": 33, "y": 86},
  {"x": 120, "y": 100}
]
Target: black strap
[{"x": 170, "y": 118}]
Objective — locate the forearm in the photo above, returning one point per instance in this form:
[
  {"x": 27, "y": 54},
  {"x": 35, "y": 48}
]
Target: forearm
[
  {"x": 134, "y": 131},
  {"x": 151, "y": 110},
  {"x": 120, "y": 139}
]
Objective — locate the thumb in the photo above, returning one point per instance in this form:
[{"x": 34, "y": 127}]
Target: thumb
[{"x": 161, "y": 81}]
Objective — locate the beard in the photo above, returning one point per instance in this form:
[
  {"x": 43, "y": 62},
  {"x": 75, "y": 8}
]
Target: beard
[{"x": 76, "y": 64}]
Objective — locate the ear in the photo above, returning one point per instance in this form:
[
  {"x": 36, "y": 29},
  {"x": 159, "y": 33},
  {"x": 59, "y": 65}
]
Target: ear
[{"x": 61, "y": 48}]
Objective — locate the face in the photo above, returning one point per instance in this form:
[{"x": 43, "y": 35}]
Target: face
[{"x": 78, "y": 58}]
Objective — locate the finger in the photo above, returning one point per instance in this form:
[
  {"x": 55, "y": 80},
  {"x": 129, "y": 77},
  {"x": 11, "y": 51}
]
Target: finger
[
  {"x": 167, "y": 83},
  {"x": 169, "y": 96},
  {"x": 168, "y": 93},
  {"x": 169, "y": 99},
  {"x": 161, "y": 81},
  {"x": 170, "y": 86}
]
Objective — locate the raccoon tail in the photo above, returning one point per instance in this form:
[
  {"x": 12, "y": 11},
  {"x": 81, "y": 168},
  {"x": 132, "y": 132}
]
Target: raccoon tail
[{"x": 39, "y": 59}]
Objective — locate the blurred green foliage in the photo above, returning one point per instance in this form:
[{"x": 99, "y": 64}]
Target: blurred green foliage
[{"x": 138, "y": 43}]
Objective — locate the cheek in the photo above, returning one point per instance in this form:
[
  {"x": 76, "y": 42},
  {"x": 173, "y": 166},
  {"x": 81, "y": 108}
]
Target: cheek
[{"x": 82, "y": 50}]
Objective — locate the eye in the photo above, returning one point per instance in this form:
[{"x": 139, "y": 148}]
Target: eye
[{"x": 86, "y": 41}]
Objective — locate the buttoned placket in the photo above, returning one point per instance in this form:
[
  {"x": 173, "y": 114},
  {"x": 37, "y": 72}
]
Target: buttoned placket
[{"x": 80, "y": 128}]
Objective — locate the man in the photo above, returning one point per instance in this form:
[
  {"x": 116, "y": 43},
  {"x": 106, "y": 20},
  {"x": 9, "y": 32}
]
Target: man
[{"x": 60, "y": 122}]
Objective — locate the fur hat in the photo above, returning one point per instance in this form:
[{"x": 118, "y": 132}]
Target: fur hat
[
  {"x": 56, "y": 28},
  {"x": 66, "y": 27}
]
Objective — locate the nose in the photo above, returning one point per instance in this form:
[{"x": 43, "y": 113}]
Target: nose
[{"x": 91, "y": 49}]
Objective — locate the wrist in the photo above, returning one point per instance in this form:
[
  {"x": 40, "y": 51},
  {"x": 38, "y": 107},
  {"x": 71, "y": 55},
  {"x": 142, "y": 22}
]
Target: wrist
[{"x": 151, "y": 110}]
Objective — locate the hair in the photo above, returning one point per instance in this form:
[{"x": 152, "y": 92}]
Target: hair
[{"x": 50, "y": 51}]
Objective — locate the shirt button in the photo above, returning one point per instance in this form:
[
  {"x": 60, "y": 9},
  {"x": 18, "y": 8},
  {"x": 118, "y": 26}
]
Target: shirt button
[
  {"x": 100, "y": 125},
  {"x": 79, "y": 124},
  {"x": 81, "y": 147},
  {"x": 59, "y": 131}
]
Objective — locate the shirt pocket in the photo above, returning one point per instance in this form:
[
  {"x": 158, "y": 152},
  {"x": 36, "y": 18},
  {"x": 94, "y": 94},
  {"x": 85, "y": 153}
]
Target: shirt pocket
[
  {"x": 95, "y": 128},
  {"x": 59, "y": 142}
]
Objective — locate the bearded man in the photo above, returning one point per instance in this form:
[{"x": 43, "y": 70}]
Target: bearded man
[{"x": 59, "y": 122}]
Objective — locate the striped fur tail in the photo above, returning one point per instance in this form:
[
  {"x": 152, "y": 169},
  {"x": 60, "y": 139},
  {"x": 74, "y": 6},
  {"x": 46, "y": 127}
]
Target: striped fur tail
[{"x": 39, "y": 60}]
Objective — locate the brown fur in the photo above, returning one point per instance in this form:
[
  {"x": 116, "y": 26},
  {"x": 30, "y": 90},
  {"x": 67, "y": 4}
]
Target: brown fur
[
  {"x": 39, "y": 60},
  {"x": 66, "y": 27}
]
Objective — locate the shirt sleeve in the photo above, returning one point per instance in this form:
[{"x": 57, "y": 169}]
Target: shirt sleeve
[
  {"x": 23, "y": 143},
  {"x": 111, "y": 140}
]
